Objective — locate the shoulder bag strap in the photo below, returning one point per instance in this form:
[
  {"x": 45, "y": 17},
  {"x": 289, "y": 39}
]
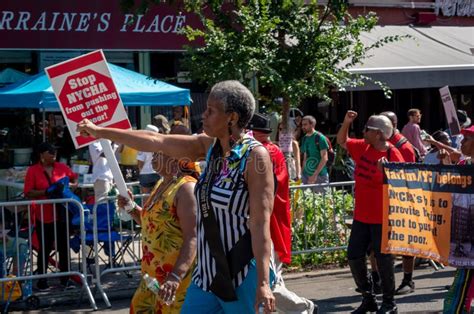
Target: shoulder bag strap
[
  {"x": 317, "y": 138},
  {"x": 222, "y": 285},
  {"x": 400, "y": 142}
]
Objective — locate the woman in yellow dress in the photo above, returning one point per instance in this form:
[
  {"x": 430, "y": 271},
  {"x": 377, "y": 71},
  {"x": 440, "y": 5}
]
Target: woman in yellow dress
[{"x": 168, "y": 221}]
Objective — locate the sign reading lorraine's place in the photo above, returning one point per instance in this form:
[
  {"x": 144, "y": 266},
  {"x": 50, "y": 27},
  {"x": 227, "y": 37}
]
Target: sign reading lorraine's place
[{"x": 85, "y": 90}]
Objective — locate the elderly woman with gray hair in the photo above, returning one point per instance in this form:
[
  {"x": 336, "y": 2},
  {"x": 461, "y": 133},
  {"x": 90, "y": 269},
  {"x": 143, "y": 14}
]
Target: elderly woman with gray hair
[
  {"x": 368, "y": 154},
  {"x": 234, "y": 197}
]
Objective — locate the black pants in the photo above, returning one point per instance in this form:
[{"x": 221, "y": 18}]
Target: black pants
[
  {"x": 46, "y": 230},
  {"x": 363, "y": 236}
]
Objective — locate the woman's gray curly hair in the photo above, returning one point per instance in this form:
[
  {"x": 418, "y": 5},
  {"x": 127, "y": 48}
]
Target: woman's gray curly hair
[{"x": 236, "y": 98}]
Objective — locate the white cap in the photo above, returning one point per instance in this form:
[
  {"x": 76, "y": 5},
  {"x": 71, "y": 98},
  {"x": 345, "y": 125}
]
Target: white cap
[
  {"x": 151, "y": 127},
  {"x": 382, "y": 123}
]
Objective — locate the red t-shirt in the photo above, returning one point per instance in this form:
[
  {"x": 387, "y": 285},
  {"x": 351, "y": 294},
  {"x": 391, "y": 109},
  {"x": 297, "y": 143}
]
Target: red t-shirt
[
  {"x": 36, "y": 179},
  {"x": 280, "y": 220},
  {"x": 369, "y": 179},
  {"x": 406, "y": 149}
]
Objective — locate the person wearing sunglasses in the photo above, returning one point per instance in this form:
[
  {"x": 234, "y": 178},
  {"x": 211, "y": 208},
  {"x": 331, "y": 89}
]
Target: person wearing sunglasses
[{"x": 368, "y": 154}]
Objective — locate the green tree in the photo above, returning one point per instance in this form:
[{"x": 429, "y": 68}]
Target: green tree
[{"x": 295, "y": 49}]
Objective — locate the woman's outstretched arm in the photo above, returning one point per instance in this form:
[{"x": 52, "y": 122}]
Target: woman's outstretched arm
[{"x": 177, "y": 146}]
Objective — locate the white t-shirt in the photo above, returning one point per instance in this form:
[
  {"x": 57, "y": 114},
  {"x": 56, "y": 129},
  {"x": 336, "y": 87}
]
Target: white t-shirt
[
  {"x": 100, "y": 167},
  {"x": 146, "y": 158}
]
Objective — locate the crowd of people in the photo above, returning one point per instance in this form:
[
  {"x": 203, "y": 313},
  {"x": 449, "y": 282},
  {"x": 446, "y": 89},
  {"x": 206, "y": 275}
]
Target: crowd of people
[{"x": 232, "y": 214}]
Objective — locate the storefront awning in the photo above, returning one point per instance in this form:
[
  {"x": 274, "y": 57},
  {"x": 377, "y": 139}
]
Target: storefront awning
[
  {"x": 434, "y": 57},
  {"x": 135, "y": 89}
]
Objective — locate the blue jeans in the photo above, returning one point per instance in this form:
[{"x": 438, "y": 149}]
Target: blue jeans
[{"x": 199, "y": 301}]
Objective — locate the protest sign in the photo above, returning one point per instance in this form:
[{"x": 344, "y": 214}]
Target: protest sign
[
  {"x": 429, "y": 211},
  {"x": 84, "y": 89},
  {"x": 450, "y": 111},
  {"x": 286, "y": 142}
]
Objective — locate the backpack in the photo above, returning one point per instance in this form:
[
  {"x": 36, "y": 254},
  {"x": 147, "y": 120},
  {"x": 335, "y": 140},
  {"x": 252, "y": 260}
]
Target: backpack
[
  {"x": 404, "y": 140},
  {"x": 331, "y": 153}
]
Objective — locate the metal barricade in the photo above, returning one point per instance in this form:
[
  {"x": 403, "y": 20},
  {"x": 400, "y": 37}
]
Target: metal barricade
[
  {"x": 33, "y": 226},
  {"x": 116, "y": 241},
  {"x": 320, "y": 219}
]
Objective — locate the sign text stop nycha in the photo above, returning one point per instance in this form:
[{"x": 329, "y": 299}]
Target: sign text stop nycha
[{"x": 85, "y": 90}]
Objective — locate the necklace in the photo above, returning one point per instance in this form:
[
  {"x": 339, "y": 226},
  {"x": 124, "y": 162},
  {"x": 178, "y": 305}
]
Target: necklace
[{"x": 162, "y": 188}]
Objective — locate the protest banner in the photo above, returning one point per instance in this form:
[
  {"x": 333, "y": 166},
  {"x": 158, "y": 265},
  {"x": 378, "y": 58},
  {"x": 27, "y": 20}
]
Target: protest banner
[
  {"x": 84, "y": 89},
  {"x": 286, "y": 141},
  {"x": 429, "y": 211},
  {"x": 450, "y": 111}
]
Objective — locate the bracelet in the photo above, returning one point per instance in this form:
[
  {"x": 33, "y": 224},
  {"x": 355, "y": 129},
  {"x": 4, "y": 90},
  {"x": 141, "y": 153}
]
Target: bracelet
[{"x": 172, "y": 274}]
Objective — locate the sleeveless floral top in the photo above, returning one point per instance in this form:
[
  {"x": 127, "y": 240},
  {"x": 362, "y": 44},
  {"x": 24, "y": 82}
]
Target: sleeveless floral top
[{"x": 162, "y": 239}]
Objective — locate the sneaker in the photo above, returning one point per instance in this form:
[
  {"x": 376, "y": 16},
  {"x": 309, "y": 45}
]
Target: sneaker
[
  {"x": 312, "y": 308},
  {"x": 388, "y": 308},
  {"x": 405, "y": 287},
  {"x": 42, "y": 284}
]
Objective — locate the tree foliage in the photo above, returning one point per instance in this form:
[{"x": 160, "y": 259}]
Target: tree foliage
[{"x": 295, "y": 48}]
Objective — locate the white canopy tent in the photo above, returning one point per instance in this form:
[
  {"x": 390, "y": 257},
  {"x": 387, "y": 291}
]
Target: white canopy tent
[{"x": 435, "y": 56}]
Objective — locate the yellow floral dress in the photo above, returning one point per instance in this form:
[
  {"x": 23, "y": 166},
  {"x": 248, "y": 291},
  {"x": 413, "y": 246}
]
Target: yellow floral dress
[{"x": 162, "y": 239}]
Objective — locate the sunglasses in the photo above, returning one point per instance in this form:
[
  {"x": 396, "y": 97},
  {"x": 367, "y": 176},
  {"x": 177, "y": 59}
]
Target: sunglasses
[{"x": 370, "y": 128}]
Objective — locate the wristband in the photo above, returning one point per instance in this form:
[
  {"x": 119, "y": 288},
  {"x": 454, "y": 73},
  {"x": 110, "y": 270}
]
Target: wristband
[{"x": 172, "y": 274}]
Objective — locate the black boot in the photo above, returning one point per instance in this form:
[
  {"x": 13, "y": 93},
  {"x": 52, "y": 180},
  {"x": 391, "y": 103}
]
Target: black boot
[
  {"x": 387, "y": 277},
  {"x": 376, "y": 283},
  {"x": 364, "y": 284}
]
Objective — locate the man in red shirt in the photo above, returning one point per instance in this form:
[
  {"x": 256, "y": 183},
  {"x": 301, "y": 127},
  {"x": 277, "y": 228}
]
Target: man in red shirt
[
  {"x": 408, "y": 153},
  {"x": 280, "y": 220},
  {"x": 368, "y": 155}
]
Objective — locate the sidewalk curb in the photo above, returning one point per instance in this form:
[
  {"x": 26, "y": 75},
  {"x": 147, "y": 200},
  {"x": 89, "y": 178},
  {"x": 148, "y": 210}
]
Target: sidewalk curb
[
  {"x": 324, "y": 272},
  {"x": 315, "y": 274}
]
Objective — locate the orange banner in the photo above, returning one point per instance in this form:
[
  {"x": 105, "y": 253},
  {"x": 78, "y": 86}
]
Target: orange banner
[
  {"x": 429, "y": 213},
  {"x": 417, "y": 223}
]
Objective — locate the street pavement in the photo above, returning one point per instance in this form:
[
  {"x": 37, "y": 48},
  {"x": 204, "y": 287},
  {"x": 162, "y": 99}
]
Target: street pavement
[{"x": 332, "y": 290}]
